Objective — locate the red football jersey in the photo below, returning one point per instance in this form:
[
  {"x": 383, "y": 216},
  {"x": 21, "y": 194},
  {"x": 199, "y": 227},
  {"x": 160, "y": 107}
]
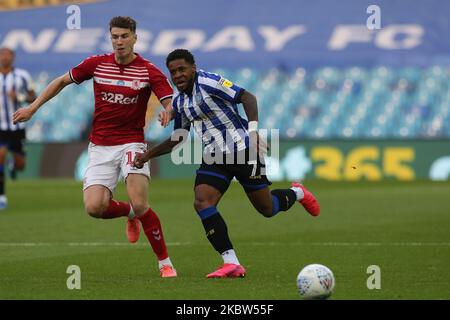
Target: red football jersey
[{"x": 121, "y": 96}]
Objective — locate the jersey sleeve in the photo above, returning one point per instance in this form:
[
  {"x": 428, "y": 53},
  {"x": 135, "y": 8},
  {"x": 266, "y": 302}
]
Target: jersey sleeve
[
  {"x": 224, "y": 89},
  {"x": 159, "y": 83},
  {"x": 84, "y": 71}
]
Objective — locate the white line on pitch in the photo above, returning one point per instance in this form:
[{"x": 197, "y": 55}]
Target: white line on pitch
[
  {"x": 82, "y": 244},
  {"x": 324, "y": 244}
]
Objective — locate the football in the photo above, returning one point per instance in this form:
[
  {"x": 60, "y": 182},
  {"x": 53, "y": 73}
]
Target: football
[{"x": 315, "y": 281}]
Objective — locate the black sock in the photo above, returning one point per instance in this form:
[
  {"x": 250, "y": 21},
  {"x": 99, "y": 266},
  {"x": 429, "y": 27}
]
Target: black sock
[
  {"x": 217, "y": 233},
  {"x": 2, "y": 180},
  {"x": 286, "y": 198},
  {"x": 12, "y": 169}
]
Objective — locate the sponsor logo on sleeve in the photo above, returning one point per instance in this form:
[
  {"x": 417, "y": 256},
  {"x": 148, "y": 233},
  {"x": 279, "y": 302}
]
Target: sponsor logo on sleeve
[{"x": 225, "y": 83}]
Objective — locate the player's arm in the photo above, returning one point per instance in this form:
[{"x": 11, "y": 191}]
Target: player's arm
[
  {"x": 158, "y": 150},
  {"x": 179, "y": 135},
  {"x": 161, "y": 87},
  {"x": 250, "y": 104},
  {"x": 167, "y": 114},
  {"x": 167, "y": 104},
  {"x": 24, "y": 114}
]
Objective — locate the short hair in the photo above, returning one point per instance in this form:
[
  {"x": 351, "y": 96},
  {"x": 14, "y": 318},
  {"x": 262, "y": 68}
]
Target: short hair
[
  {"x": 180, "y": 54},
  {"x": 122, "y": 22}
]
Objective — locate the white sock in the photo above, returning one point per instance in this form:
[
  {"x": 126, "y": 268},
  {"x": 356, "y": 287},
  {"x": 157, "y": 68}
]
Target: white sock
[
  {"x": 299, "y": 192},
  {"x": 131, "y": 215},
  {"x": 165, "y": 262},
  {"x": 229, "y": 256}
]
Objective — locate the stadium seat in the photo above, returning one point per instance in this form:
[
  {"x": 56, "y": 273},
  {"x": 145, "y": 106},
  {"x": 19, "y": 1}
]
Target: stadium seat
[{"x": 328, "y": 102}]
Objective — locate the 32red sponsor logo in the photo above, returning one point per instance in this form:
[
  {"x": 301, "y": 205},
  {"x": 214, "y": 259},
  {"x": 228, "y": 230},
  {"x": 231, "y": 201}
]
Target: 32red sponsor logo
[{"x": 118, "y": 98}]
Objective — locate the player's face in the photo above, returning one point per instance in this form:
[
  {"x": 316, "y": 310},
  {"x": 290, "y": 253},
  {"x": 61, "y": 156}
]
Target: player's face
[
  {"x": 182, "y": 74},
  {"x": 6, "y": 58},
  {"x": 123, "y": 41}
]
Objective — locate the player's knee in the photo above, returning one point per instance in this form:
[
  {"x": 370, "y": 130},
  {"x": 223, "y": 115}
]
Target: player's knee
[
  {"x": 95, "y": 210},
  {"x": 265, "y": 211},
  {"x": 200, "y": 204},
  {"x": 139, "y": 209}
]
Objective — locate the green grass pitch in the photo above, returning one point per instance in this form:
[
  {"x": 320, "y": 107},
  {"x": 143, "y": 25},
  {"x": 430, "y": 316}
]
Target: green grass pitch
[{"x": 404, "y": 228}]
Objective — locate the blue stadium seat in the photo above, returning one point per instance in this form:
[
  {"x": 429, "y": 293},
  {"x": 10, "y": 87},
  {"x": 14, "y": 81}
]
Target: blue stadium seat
[{"x": 328, "y": 102}]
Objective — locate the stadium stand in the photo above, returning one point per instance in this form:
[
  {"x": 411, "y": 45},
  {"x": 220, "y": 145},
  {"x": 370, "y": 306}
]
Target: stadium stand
[
  {"x": 316, "y": 76},
  {"x": 328, "y": 102}
]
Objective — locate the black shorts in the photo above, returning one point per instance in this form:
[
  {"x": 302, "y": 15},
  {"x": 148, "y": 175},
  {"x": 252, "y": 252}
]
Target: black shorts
[
  {"x": 251, "y": 176},
  {"x": 13, "y": 140}
]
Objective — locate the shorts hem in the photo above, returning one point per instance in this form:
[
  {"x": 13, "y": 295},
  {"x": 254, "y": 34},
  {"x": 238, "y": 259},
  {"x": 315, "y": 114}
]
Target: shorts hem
[
  {"x": 85, "y": 186},
  {"x": 141, "y": 173}
]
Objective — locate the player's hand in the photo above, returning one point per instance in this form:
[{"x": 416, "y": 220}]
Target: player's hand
[
  {"x": 22, "y": 115},
  {"x": 165, "y": 116},
  {"x": 139, "y": 160},
  {"x": 258, "y": 144}
]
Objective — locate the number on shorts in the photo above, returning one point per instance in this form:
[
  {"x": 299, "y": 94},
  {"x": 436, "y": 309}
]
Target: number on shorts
[
  {"x": 254, "y": 163},
  {"x": 129, "y": 157}
]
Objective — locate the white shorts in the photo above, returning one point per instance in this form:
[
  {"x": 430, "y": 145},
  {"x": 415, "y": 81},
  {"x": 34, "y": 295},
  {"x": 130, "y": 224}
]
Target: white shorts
[{"x": 106, "y": 164}]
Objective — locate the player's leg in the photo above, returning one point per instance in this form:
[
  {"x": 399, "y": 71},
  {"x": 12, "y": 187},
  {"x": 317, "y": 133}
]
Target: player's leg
[
  {"x": 137, "y": 182},
  {"x": 205, "y": 204},
  {"x": 3, "y": 199},
  {"x": 252, "y": 177},
  {"x": 137, "y": 188},
  {"x": 96, "y": 201},
  {"x": 18, "y": 164},
  {"x": 17, "y": 148},
  {"x": 269, "y": 203},
  {"x": 210, "y": 184},
  {"x": 100, "y": 180},
  {"x": 306, "y": 199}
]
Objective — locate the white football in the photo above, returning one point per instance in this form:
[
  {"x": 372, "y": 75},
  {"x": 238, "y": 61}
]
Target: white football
[{"x": 315, "y": 281}]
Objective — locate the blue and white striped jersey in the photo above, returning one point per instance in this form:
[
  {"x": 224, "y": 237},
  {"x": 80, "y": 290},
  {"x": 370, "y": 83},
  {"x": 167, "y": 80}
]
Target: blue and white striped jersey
[
  {"x": 212, "y": 109},
  {"x": 18, "y": 81}
]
